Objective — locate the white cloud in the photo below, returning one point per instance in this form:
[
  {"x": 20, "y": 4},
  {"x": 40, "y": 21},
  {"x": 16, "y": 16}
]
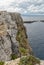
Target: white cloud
[
  {"x": 22, "y": 6},
  {"x": 33, "y": 8},
  {"x": 6, "y": 2}
]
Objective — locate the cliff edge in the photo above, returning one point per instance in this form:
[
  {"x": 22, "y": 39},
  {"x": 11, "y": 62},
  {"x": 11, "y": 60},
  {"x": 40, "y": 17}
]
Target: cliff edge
[{"x": 13, "y": 37}]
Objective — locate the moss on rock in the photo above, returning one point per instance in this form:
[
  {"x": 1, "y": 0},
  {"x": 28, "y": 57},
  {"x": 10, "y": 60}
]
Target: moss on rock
[
  {"x": 1, "y": 63},
  {"x": 13, "y": 56}
]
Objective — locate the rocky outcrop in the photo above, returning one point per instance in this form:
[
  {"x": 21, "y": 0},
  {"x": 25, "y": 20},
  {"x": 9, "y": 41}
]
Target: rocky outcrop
[
  {"x": 16, "y": 62},
  {"x": 10, "y": 41},
  {"x": 24, "y": 61},
  {"x": 13, "y": 62}
]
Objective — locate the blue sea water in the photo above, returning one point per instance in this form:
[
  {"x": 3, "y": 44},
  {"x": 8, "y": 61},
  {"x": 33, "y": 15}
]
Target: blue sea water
[{"x": 35, "y": 32}]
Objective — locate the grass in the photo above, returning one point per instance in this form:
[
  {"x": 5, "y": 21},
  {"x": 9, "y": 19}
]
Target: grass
[
  {"x": 1, "y": 63},
  {"x": 22, "y": 51},
  {"x": 29, "y": 60},
  {"x": 23, "y": 42},
  {"x": 13, "y": 56},
  {"x": 3, "y": 29}
]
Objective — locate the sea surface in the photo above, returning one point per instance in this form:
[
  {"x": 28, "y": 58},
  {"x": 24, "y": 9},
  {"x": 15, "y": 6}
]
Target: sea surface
[{"x": 35, "y": 32}]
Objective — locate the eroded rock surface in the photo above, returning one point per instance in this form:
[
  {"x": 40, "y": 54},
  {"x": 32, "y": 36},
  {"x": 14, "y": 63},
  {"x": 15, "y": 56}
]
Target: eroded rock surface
[{"x": 9, "y": 26}]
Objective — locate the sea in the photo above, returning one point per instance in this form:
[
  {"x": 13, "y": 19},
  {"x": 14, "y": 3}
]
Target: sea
[{"x": 35, "y": 32}]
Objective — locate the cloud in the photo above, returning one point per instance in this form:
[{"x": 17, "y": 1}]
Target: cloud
[
  {"x": 23, "y": 6},
  {"x": 33, "y": 8}
]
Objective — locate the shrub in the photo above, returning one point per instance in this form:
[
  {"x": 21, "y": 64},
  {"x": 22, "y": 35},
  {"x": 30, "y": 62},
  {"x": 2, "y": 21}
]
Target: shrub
[
  {"x": 23, "y": 51},
  {"x": 29, "y": 60},
  {"x": 1, "y": 63},
  {"x": 13, "y": 56}
]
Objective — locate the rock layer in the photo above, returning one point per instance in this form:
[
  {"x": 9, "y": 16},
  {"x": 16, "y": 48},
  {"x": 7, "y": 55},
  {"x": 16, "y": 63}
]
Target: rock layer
[{"x": 9, "y": 26}]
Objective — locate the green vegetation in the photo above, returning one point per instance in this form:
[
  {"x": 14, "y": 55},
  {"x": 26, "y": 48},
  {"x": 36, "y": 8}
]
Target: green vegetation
[
  {"x": 21, "y": 37},
  {"x": 13, "y": 56},
  {"x": 29, "y": 60},
  {"x": 24, "y": 48},
  {"x": 1, "y": 63},
  {"x": 23, "y": 51}
]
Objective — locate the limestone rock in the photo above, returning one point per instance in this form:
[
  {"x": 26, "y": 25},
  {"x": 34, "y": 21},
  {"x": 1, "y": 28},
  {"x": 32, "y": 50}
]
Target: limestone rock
[
  {"x": 10, "y": 24},
  {"x": 8, "y": 30}
]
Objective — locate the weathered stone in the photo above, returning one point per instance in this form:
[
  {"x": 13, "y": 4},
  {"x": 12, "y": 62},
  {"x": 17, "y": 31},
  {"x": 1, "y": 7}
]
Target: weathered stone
[
  {"x": 10, "y": 24},
  {"x": 7, "y": 36}
]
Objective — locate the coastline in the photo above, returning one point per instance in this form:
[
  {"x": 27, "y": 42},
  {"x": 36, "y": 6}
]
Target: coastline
[{"x": 33, "y": 21}]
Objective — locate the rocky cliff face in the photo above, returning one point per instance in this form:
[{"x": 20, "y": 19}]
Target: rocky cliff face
[{"x": 13, "y": 37}]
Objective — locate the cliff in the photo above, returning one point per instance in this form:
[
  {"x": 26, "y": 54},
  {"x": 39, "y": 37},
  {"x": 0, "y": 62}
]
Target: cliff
[{"x": 13, "y": 37}]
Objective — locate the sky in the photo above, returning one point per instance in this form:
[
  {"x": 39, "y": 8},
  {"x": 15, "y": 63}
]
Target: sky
[{"x": 25, "y": 7}]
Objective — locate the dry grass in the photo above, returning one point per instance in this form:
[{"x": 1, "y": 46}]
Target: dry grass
[{"x": 3, "y": 29}]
